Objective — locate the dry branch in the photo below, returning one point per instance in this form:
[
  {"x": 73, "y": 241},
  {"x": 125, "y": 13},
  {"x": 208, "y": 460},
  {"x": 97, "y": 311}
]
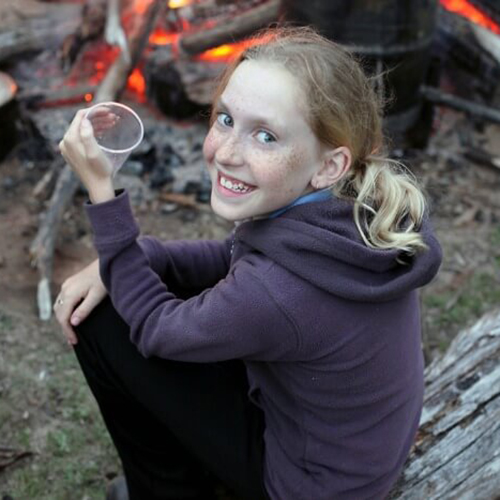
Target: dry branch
[
  {"x": 42, "y": 247},
  {"x": 482, "y": 157},
  {"x": 234, "y": 29},
  {"x": 440, "y": 98},
  {"x": 456, "y": 454}
]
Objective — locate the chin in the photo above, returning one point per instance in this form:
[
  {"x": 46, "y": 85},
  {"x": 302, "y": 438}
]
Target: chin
[{"x": 222, "y": 210}]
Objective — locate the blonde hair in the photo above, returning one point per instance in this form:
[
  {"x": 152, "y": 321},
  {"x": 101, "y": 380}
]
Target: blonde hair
[{"x": 344, "y": 110}]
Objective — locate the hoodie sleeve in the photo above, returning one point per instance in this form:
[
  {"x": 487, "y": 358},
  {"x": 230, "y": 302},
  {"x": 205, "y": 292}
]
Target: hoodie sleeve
[
  {"x": 236, "y": 318},
  {"x": 188, "y": 264}
]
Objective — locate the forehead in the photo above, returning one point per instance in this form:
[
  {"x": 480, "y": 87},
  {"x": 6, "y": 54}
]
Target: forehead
[{"x": 264, "y": 88}]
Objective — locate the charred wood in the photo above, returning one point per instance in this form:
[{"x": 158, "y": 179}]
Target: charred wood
[
  {"x": 236, "y": 28},
  {"x": 440, "y": 98},
  {"x": 91, "y": 27},
  {"x": 482, "y": 157},
  {"x": 35, "y": 30},
  {"x": 47, "y": 97}
]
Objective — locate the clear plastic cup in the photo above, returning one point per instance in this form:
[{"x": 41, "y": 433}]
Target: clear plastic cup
[{"x": 118, "y": 130}]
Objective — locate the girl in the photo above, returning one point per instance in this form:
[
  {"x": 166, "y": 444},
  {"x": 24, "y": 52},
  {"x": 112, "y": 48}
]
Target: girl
[{"x": 285, "y": 361}]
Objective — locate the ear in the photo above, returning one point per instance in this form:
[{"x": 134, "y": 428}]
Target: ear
[{"x": 335, "y": 164}]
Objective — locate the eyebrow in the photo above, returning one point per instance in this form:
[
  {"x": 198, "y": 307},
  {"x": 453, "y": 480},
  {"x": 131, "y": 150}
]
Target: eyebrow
[{"x": 220, "y": 104}]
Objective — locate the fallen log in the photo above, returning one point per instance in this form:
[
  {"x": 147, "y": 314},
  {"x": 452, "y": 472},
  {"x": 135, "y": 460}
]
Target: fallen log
[
  {"x": 234, "y": 29},
  {"x": 440, "y": 98},
  {"x": 482, "y": 157},
  {"x": 456, "y": 452},
  {"x": 42, "y": 247}
]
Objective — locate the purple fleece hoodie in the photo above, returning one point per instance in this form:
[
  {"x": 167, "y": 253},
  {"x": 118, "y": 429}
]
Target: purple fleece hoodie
[{"x": 328, "y": 328}]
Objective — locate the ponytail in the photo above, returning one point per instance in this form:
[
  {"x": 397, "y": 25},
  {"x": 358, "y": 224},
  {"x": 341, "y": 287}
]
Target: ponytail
[{"x": 389, "y": 205}]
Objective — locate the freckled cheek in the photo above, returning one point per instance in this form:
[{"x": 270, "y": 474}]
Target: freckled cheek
[
  {"x": 210, "y": 146},
  {"x": 276, "y": 170}
]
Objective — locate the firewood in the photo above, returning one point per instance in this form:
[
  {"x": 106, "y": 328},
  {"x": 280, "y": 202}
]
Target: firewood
[
  {"x": 456, "y": 451},
  {"x": 482, "y": 157},
  {"x": 240, "y": 26},
  {"x": 34, "y": 29},
  {"x": 91, "y": 27},
  {"x": 440, "y": 98},
  {"x": 36, "y": 97},
  {"x": 42, "y": 247}
]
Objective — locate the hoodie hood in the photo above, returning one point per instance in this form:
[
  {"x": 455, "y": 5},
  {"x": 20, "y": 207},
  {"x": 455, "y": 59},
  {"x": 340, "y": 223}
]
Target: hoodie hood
[{"x": 320, "y": 242}]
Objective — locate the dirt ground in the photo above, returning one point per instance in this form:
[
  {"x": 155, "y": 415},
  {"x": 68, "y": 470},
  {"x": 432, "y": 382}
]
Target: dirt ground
[{"x": 52, "y": 442}]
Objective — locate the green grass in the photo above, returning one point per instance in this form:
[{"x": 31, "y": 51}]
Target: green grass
[
  {"x": 456, "y": 309},
  {"x": 54, "y": 417}
]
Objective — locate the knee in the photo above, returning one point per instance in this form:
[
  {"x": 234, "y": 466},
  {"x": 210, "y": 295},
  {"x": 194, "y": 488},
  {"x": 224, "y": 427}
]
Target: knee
[{"x": 102, "y": 322}]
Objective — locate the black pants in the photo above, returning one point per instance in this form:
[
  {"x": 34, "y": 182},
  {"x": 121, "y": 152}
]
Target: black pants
[{"x": 178, "y": 427}]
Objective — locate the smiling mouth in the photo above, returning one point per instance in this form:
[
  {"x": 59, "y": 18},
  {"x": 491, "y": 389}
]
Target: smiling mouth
[{"x": 233, "y": 185}]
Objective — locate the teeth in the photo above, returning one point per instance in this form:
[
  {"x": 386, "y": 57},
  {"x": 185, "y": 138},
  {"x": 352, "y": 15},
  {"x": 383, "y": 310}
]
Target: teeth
[{"x": 237, "y": 188}]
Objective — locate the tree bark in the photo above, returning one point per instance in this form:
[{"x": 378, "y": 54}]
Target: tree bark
[
  {"x": 42, "y": 247},
  {"x": 456, "y": 455}
]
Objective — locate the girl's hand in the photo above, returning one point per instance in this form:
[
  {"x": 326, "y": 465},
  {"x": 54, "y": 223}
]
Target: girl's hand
[
  {"x": 80, "y": 149},
  {"x": 79, "y": 295}
]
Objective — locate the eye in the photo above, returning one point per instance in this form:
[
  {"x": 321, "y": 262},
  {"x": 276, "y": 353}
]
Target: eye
[
  {"x": 265, "y": 137},
  {"x": 224, "y": 119}
]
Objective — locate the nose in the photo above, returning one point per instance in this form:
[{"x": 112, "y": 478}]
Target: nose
[{"x": 229, "y": 152}]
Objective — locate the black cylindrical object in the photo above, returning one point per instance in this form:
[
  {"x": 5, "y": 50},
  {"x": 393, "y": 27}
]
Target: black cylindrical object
[
  {"x": 388, "y": 35},
  {"x": 8, "y": 114}
]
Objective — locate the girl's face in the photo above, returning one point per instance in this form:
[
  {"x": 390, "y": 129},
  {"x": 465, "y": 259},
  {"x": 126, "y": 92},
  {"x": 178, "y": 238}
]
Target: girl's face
[{"x": 260, "y": 151}]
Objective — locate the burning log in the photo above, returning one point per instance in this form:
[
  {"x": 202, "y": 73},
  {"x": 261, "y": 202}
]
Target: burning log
[
  {"x": 456, "y": 453},
  {"x": 47, "y": 97},
  {"x": 440, "y": 98},
  {"x": 90, "y": 28},
  {"x": 234, "y": 29},
  {"x": 42, "y": 247}
]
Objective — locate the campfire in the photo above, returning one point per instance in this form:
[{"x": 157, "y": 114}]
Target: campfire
[{"x": 163, "y": 56}]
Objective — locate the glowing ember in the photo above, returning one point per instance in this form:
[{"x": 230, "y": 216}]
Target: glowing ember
[
  {"x": 177, "y": 4},
  {"x": 230, "y": 51},
  {"x": 88, "y": 97},
  {"x": 137, "y": 83},
  {"x": 161, "y": 37},
  {"x": 464, "y": 8}
]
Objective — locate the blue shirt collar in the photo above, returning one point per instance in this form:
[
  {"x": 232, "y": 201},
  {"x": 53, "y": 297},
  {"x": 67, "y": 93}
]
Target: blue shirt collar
[{"x": 321, "y": 195}]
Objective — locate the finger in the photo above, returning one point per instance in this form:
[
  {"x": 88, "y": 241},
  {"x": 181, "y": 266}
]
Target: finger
[
  {"x": 85, "y": 308},
  {"x": 74, "y": 129},
  {"x": 92, "y": 149},
  {"x": 100, "y": 111},
  {"x": 93, "y": 153},
  {"x": 107, "y": 121},
  {"x": 62, "y": 315}
]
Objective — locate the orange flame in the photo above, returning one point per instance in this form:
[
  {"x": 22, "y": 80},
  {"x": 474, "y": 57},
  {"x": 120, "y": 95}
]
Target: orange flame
[
  {"x": 466, "y": 9},
  {"x": 137, "y": 83},
  {"x": 161, "y": 37},
  {"x": 230, "y": 51},
  {"x": 177, "y": 4}
]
